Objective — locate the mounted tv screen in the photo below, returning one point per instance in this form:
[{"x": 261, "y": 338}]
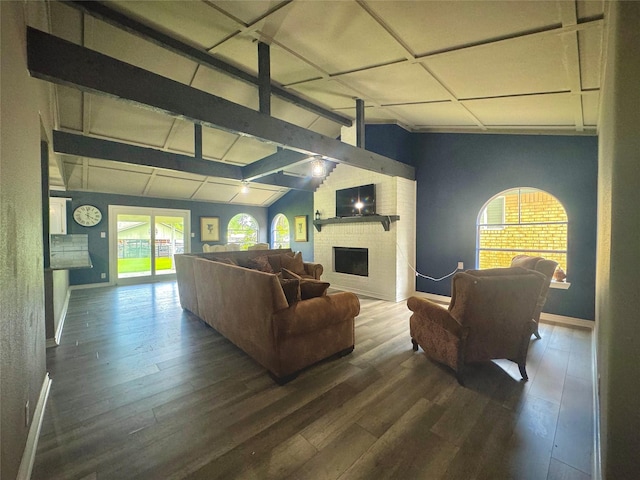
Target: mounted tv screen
[{"x": 356, "y": 201}]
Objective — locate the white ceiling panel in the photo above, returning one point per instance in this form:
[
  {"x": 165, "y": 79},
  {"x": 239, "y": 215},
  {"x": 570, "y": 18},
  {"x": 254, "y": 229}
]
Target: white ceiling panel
[
  {"x": 542, "y": 110},
  {"x": 255, "y": 196},
  {"x": 69, "y": 107},
  {"x": 73, "y": 173},
  {"x": 221, "y": 85},
  {"x": 171, "y": 187},
  {"x": 432, "y": 26},
  {"x": 194, "y": 21},
  {"x": 215, "y": 143},
  {"x": 436, "y": 114},
  {"x": 249, "y": 11},
  {"x": 590, "y": 105},
  {"x": 328, "y": 93},
  {"x": 66, "y": 22},
  {"x": 325, "y": 127},
  {"x": 590, "y": 45},
  {"x": 526, "y": 65},
  {"x": 248, "y": 150},
  {"x": 123, "y": 182},
  {"x": 337, "y": 36},
  {"x": 123, "y": 121},
  {"x": 132, "y": 49},
  {"x": 589, "y": 8},
  {"x": 217, "y": 192},
  {"x": 291, "y": 113}
]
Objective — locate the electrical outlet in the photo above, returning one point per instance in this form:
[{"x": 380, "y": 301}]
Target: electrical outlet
[
  {"x": 26, "y": 414},
  {"x": 103, "y": 234},
  {"x": 103, "y": 275},
  {"x": 460, "y": 265}
]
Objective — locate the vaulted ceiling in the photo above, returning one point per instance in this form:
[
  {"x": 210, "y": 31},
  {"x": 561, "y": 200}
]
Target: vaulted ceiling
[{"x": 427, "y": 66}]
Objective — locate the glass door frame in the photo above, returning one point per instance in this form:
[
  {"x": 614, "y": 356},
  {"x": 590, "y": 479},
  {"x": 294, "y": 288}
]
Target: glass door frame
[{"x": 152, "y": 212}]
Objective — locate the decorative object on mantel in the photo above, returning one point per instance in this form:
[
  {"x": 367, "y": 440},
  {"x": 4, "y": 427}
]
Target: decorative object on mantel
[
  {"x": 300, "y": 226},
  {"x": 385, "y": 220},
  {"x": 317, "y": 214}
]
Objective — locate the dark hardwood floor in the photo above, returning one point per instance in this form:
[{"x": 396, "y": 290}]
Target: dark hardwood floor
[{"x": 143, "y": 390}]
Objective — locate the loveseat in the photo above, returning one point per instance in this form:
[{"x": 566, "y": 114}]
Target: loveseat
[{"x": 249, "y": 307}]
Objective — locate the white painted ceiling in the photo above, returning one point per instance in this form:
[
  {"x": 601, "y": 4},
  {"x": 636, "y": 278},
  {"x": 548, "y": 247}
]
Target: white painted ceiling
[{"x": 428, "y": 66}]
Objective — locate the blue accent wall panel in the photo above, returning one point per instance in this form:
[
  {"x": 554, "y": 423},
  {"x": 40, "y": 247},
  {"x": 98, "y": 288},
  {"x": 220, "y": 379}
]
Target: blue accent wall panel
[
  {"x": 458, "y": 173},
  {"x": 294, "y": 203},
  {"x": 99, "y": 247},
  {"x": 391, "y": 141}
]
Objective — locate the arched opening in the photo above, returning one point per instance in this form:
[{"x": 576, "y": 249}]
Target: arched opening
[
  {"x": 242, "y": 230},
  {"x": 280, "y": 232}
]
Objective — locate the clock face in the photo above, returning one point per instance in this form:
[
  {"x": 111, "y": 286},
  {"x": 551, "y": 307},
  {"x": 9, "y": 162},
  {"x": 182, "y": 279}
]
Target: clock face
[{"x": 87, "y": 215}]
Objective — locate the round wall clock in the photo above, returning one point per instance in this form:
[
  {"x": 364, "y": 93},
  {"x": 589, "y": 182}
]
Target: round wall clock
[{"x": 87, "y": 215}]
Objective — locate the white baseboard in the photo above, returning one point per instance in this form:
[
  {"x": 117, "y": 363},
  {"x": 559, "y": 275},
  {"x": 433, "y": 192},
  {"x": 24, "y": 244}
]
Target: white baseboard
[
  {"x": 90, "y": 285},
  {"x": 29, "y": 454}
]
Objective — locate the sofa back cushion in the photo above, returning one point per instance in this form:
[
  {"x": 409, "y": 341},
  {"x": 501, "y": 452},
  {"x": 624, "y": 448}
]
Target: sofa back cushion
[{"x": 294, "y": 264}]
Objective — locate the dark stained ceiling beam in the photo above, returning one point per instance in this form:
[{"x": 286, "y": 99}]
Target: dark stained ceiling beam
[
  {"x": 82, "y": 146},
  {"x": 66, "y": 143},
  {"x": 55, "y": 60},
  {"x": 288, "y": 181},
  {"x": 117, "y": 19},
  {"x": 273, "y": 163}
]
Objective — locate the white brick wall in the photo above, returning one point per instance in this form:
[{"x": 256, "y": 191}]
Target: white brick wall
[{"x": 390, "y": 277}]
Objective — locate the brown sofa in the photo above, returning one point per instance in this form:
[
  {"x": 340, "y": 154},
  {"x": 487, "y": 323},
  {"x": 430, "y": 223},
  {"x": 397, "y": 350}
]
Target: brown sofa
[
  {"x": 490, "y": 316},
  {"x": 249, "y": 307}
]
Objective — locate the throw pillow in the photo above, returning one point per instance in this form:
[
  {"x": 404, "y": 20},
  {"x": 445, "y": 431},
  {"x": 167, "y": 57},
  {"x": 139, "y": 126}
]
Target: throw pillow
[
  {"x": 312, "y": 288},
  {"x": 291, "y": 289},
  {"x": 229, "y": 261},
  {"x": 295, "y": 263},
  {"x": 289, "y": 274},
  {"x": 260, "y": 263},
  {"x": 274, "y": 261}
]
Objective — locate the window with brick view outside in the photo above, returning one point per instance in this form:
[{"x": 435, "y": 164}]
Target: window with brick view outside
[{"x": 521, "y": 221}]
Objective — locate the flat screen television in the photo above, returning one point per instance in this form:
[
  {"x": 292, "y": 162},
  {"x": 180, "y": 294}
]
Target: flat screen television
[{"x": 356, "y": 201}]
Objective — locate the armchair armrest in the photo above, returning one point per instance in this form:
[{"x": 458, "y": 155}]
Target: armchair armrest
[{"x": 313, "y": 269}]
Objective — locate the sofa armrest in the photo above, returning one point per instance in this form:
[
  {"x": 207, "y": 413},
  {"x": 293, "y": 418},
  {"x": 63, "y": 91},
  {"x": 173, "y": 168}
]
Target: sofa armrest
[
  {"x": 315, "y": 314},
  {"x": 436, "y": 314},
  {"x": 313, "y": 269}
]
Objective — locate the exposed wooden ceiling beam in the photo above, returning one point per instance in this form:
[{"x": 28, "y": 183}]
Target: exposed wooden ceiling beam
[
  {"x": 66, "y": 143},
  {"x": 139, "y": 29},
  {"x": 273, "y": 163},
  {"x": 82, "y": 146},
  {"x": 56, "y": 60}
]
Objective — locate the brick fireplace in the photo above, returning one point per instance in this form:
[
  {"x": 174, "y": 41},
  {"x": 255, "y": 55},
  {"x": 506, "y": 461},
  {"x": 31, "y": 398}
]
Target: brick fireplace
[{"x": 389, "y": 253}]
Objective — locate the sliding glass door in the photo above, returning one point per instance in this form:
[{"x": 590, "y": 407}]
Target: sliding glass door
[{"x": 144, "y": 242}]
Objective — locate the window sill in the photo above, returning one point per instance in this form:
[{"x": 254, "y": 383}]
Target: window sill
[{"x": 560, "y": 285}]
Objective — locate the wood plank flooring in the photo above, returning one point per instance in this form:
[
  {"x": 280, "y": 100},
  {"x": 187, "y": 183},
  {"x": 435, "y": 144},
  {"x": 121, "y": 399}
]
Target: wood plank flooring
[{"x": 143, "y": 390}]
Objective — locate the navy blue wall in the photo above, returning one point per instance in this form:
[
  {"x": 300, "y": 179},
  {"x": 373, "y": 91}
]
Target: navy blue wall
[
  {"x": 458, "y": 173},
  {"x": 391, "y": 141},
  {"x": 99, "y": 247},
  {"x": 295, "y": 203}
]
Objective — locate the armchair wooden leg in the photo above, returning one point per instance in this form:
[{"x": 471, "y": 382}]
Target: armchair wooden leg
[
  {"x": 523, "y": 371},
  {"x": 415, "y": 345}
]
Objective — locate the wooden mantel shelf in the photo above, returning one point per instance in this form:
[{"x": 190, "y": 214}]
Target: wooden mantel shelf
[{"x": 385, "y": 220}]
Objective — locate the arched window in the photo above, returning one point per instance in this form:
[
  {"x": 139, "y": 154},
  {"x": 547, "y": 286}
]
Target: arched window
[
  {"x": 280, "y": 232},
  {"x": 242, "y": 230},
  {"x": 521, "y": 221}
]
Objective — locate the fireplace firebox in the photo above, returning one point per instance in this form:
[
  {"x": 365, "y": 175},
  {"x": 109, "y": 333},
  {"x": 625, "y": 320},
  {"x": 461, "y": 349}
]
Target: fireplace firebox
[{"x": 354, "y": 261}]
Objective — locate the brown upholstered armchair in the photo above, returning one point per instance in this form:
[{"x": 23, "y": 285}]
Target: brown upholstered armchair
[
  {"x": 488, "y": 317},
  {"x": 544, "y": 266}
]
